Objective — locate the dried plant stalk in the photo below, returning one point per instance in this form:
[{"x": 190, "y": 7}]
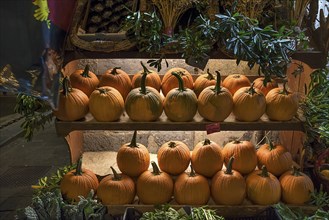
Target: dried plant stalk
[
  {"x": 171, "y": 10},
  {"x": 249, "y": 8},
  {"x": 298, "y": 11}
]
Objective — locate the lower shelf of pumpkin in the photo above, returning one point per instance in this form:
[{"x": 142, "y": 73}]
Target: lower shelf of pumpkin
[{"x": 100, "y": 162}]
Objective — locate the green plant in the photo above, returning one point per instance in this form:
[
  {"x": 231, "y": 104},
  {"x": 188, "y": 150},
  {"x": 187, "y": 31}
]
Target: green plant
[
  {"x": 320, "y": 198},
  {"x": 51, "y": 183},
  {"x": 246, "y": 40},
  {"x": 37, "y": 114},
  {"x": 316, "y": 108}
]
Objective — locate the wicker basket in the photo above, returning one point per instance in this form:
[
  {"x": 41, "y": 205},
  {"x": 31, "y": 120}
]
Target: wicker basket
[{"x": 98, "y": 42}]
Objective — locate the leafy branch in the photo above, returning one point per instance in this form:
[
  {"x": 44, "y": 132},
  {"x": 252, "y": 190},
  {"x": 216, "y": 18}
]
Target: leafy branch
[{"x": 37, "y": 114}]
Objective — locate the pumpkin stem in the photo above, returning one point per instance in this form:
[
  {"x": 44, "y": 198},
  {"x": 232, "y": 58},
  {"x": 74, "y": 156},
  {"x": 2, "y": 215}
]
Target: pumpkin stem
[
  {"x": 229, "y": 166},
  {"x": 264, "y": 172},
  {"x": 252, "y": 90},
  {"x": 178, "y": 75},
  {"x": 114, "y": 70},
  {"x": 78, "y": 170},
  {"x": 116, "y": 176},
  {"x": 133, "y": 142},
  {"x": 85, "y": 72},
  {"x": 206, "y": 142},
  {"x": 143, "y": 83},
  {"x": 236, "y": 142},
  {"x": 145, "y": 70},
  {"x": 192, "y": 173},
  {"x": 155, "y": 167},
  {"x": 172, "y": 144},
  {"x": 295, "y": 171},
  {"x": 102, "y": 90},
  {"x": 270, "y": 144},
  {"x": 66, "y": 86},
  {"x": 218, "y": 89},
  {"x": 210, "y": 76},
  {"x": 285, "y": 90}
]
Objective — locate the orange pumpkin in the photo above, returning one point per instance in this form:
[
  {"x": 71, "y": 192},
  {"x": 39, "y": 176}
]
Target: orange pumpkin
[
  {"x": 228, "y": 187},
  {"x": 203, "y": 81},
  {"x": 117, "y": 79},
  {"x": 244, "y": 153},
  {"x": 153, "y": 79},
  {"x": 73, "y": 103},
  {"x": 263, "y": 188},
  {"x": 275, "y": 157},
  {"x": 144, "y": 103},
  {"x": 116, "y": 189},
  {"x": 296, "y": 187},
  {"x": 78, "y": 182},
  {"x": 207, "y": 158},
  {"x": 191, "y": 189},
  {"x": 106, "y": 104},
  {"x": 84, "y": 80},
  {"x": 281, "y": 105},
  {"x": 170, "y": 82},
  {"x": 264, "y": 86},
  {"x": 215, "y": 103},
  {"x": 181, "y": 103},
  {"x": 154, "y": 187},
  {"x": 133, "y": 158},
  {"x": 234, "y": 82},
  {"x": 174, "y": 157},
  {"x": 249, "y": 104}
]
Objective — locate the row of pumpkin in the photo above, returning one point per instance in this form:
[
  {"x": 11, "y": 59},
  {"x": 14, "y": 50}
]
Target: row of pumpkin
[
  {"x": 272, "y": 182},
  {"x": 106, "y": 98}
]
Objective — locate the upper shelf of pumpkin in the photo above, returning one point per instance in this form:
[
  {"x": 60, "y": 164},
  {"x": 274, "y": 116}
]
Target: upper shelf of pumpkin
[{"x": 193, "y": 31}]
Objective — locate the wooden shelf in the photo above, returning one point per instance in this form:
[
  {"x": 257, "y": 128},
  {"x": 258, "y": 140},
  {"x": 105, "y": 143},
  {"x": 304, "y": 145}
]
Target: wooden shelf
[
  {"x": 163, "y": 124},
  {"x": 315, "y": 59}
]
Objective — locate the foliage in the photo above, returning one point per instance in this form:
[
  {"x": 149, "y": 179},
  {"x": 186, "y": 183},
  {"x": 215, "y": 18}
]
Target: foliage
[
  {"x": 52, "y": 183},
  {"x": 246, "y": 40},
  {"x": 50, "y": 205},
  {"x": 320, "y": 198},
  {"x": 167, "y": 212},
  {"x": 286, "y": 213},
  {"x": 37, "y": 114},
  {"x": 316, "y": 108}
]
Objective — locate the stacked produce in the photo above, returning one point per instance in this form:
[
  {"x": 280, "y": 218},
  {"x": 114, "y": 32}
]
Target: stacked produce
[
  {"x": 208, "y": 181},
  {"x": 144, "y": 96}
]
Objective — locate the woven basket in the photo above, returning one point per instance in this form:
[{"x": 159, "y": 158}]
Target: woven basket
[{"x": 107, "y": 46}]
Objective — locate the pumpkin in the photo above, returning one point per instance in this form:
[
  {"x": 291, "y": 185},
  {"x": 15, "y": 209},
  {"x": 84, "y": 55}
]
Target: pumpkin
[
  {"x": 234, "y": 82},
  {"x": 191, "y": 189},
  {"x": 144, "y": 103},
  {"x": 203, "y": 81},
  {"x": 84, "y": 80},
  {"x": 117, "y": 79},
  {"x": 133, "y": 158},
  {"x": 106, "y": 104},
  {"x": 249, "y": 104},
  {"x": 170, "y": 82},
  {"x": 228, "y": 187},
  {"x": 207, "y": 158},
  {"x": 275, "y": 157},
  {"x": 116, "y": 189},
  {"x": 281, "y": 105},
  {"x": 153, "y": 79},
  {"x": 181, "y": 103},
  {"x": 215, "y": 103},
  {"x": 72, "y": 104},
  {"x": 173, "y": 157},
  {"x": 296, "y": 187},
  {"x": 263, "y": 188},
  {"x": 265, "y": 86},
  {"x": 154, "y": 187},
  {"x": 244, "y": 153},
  {"x": 78, "y": 182}
]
